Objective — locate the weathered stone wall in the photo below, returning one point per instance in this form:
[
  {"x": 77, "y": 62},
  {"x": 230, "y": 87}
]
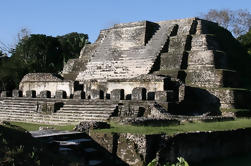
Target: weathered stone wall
[
  {"x": 137, "y": 150},
  {"x": 195, "y": 147},
  {"x": 232, "y": 98},
  {"x": 39, "y": 86},
  {"x": 208, "y": 77},
  {"x": 134, "y": 149},
  {"x": 126, "y": 36},
  {"x": 129, "y": 86}
]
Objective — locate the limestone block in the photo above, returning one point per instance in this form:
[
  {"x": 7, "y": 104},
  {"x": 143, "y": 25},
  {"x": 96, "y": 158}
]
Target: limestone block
[
  {"x": 204, "y": 42},
  {"x": 161, "y": 96},
  {"x": 117, "y": 94},
  {"x": 139, "y": 93},
  {"x": 181, "y": 94},
  {"x": 212, "y": 78},
  {"x": 17, "y": 93},
  {"x": 31, "y": 93},
  {"x": 60, "y": 94},
  {"x": 94, "y": 94},
  {"x": 79, "y": 95},
  {"x": 179, "y": 44},
  {"x": 166, "y": 96},
  {"x": 173, "y": 60},
  {"x": 45, "y": 94},
  {"x": 6, "y": 94},
  {"x": 232, "y": 98},
  {"x": 198, "y": 58}
]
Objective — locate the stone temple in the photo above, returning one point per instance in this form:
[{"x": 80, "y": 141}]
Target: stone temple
[{"x": 139, "y": 69}]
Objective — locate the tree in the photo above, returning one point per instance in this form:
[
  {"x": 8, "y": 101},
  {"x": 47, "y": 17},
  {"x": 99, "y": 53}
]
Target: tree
[
  {"x": 245, "y": 40},
  {"x": 24, "y": 33},
  {"x": 10, "y": 74},
  {"x": 2, "y": 55},
  {"x": 236, "y": 21},
  {"x": 71, "y": 44},
  {"x": 39, "y": 53}
]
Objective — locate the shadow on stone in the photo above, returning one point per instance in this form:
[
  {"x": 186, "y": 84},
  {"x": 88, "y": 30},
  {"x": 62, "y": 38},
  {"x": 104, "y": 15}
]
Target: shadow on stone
[{"x": 197, "y": 101}]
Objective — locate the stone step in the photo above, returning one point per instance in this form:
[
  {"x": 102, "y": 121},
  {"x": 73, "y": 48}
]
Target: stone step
[
  {"x": 18, "y": 105},
  {"x": 58, "y": 120},
  {"x": 3, "y": 115},
  {"x": 53, "y": 118},
  {"x": 84, "y": 112},
  {"x": 49, "y": 121},
  {"x": 89, "y": 106},
  {"x": 74, "y": 116},
  {"x": 14, "y": 101},
  {"x": 38, "y": 121},
  {"x": 90, "y": 102},
  {"x": 46, "y": 117},
  {"x": 86, "y": 109},
  {"x": 17, "y": 108},
  {"x": 65, "y": 120},
  {"x": 71, "y": 116},
  {"x": 17, "y": 111}
]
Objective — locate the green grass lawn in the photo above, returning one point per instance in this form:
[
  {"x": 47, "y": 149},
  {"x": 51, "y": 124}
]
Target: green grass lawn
[
  {"x": 170, "y": 130},
  {"x": 34, "y": 126},
  {"x": 186, "y": 127}
]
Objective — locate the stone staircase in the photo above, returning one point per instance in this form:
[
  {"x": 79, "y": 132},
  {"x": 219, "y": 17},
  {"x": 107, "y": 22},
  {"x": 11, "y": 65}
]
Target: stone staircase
[
  {"x": 17, "y": 110},
  {"x": 79, "y": 146},
  {"x": 85, "y": 111},
  {"x": 72, "y": 112},
  {"x": 109, "y": 63}
]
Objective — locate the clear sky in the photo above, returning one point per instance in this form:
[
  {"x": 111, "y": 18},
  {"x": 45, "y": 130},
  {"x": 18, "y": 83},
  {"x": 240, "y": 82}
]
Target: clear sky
[{"x": 58, "y": 17}]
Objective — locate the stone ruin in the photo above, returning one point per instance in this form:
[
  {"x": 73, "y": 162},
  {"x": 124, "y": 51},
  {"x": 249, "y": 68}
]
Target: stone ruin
[{"x": 136, "y": 70}]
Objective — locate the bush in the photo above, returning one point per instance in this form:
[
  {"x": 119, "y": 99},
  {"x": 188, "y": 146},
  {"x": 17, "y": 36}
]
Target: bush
[{"x": 181, "y": 162}]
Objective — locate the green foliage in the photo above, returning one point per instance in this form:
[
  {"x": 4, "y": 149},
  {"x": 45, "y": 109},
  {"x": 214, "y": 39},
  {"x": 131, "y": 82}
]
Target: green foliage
[
  {"x": 10, "y": 74},
  {"x": 154, "y": 162},
  {"x": 71, "y": 44},
  {"x": 181, "y": 162},
  {"x": 39, "y": 53},
  {"x": 245, "y": 40}
]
